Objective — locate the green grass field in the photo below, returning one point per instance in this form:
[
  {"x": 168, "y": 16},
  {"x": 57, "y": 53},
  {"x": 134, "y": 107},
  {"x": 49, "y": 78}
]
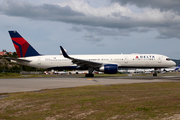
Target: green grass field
[{"x": 115, "y": 102}]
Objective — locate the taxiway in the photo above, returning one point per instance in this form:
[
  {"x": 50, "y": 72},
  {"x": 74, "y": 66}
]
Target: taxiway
[{"x": 36, "y": 84}]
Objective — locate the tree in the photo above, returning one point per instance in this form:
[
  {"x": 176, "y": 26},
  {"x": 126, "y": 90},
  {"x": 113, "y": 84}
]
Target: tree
[{"x": 3, "y": 50}]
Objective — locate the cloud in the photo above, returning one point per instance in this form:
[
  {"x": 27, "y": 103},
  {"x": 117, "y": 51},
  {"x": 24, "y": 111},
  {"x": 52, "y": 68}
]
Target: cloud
[
  {"x": 90, "y": 37},
  {"x": 42, "y": 12},
  {"x": 102, "y": 31},
  {"x": 76, "y": 29},
  {"x": 144, "y": 29},
  {"x": 69, "y": 12},
  {"x": 116, "y": 19},
  {"x": 167, "y": 33},
  {"x": 100, "y": 45},
  {"x": 164, "y": 5}
]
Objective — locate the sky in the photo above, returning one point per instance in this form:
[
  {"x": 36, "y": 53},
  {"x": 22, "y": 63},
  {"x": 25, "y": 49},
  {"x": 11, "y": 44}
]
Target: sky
[{"x": 93, "y": 27}]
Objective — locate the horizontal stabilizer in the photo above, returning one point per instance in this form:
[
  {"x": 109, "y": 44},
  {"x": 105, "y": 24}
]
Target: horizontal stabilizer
[{"x": 17, "y": 59}]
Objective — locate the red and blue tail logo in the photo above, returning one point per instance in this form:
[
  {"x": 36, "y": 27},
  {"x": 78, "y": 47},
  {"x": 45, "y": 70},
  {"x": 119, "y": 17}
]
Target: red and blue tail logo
[{"x": 23, "y": 48}]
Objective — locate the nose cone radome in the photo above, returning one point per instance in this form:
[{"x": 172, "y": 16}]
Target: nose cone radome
[{"x": 173, "y": 63}]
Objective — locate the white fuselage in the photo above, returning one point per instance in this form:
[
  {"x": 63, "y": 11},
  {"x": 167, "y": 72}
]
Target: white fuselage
[{"x": 122, "y": 60}]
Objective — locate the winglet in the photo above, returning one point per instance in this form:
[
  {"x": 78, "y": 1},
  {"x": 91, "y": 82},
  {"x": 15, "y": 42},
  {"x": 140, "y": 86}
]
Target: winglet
[{"x": 64, "y": 52}]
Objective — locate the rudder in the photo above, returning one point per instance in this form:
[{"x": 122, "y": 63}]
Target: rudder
[{"x": 23, "y": 48}]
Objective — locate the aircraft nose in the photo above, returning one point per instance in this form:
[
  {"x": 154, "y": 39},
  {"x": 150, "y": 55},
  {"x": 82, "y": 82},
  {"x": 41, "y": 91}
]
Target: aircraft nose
[{"x": 173, "y": 63}]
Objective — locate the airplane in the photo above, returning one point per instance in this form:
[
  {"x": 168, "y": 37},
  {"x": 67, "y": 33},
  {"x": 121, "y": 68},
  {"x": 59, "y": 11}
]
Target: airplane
[
  {"x": 177, "y": 68},
  {"x": 171, "y": 69},
  {"x": 107, "y": 63}
]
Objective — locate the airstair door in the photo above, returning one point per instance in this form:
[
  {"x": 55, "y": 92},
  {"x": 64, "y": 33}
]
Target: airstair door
[
  {"x": 125, "y": 60},
  {"x": 159, "y": 60},
  {"x": 39, "y": 61}
]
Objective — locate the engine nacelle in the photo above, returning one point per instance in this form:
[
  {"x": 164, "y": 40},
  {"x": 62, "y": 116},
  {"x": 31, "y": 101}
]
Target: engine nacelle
[{"x": 109, "y": 69}]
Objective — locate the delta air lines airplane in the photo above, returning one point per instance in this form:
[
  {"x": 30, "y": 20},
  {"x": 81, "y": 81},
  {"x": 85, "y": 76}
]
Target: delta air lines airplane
[{"x": 107, "y": 63}]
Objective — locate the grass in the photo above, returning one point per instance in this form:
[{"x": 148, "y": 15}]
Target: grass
[{"x": 127, "y": 101}]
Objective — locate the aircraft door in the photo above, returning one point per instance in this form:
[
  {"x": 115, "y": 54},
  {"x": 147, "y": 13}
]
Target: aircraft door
[
  {"x": 159, "y": 60},
  {"x": 125, "y": 60},
  {"x": 39, "y": 61}
]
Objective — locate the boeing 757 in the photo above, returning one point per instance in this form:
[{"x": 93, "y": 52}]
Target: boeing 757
[{"x": 107, "y": 63}]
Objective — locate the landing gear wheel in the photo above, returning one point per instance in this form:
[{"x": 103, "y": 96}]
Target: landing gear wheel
[
  {"x": 89, "y": 75},
  {"x": 155, "y": 74}
]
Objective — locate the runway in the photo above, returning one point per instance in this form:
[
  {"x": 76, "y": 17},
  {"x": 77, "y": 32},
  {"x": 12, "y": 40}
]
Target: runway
[{"x": 36, "y": 84}]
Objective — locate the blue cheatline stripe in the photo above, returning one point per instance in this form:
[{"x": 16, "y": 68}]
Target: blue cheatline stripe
[{"x": 19, "y": 48}]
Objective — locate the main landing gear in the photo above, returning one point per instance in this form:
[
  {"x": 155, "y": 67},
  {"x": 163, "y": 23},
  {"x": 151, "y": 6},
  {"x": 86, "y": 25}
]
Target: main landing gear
[
  {"x": 89, "y": 75},
  {"x": 90, "y": 71},
  {"x": 155, "y": 73}
]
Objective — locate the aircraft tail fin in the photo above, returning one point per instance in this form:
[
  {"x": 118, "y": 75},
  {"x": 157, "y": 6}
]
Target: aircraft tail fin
[
  {"x": 177, "y": 68},
  {"x": 23, "y": 48}
]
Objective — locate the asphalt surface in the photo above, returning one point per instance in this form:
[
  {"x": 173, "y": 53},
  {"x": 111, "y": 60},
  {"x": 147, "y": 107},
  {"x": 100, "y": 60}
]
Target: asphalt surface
[{"x": 36, "y": 84}]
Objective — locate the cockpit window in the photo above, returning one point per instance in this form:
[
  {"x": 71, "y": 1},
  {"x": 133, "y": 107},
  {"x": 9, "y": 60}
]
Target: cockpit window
[{"x": 168, "y": 59}]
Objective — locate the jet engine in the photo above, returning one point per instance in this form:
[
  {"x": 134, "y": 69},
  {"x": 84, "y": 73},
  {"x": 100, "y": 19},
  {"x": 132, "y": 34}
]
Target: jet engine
[{"x": 109, "y": 69}]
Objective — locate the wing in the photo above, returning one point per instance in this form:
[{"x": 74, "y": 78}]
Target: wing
[
  {"x": 18, "y": 59},
  {"x": 80, "y": 62}
]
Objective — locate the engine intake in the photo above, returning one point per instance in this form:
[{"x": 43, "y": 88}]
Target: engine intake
[{"x": 109, "y": 69}]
